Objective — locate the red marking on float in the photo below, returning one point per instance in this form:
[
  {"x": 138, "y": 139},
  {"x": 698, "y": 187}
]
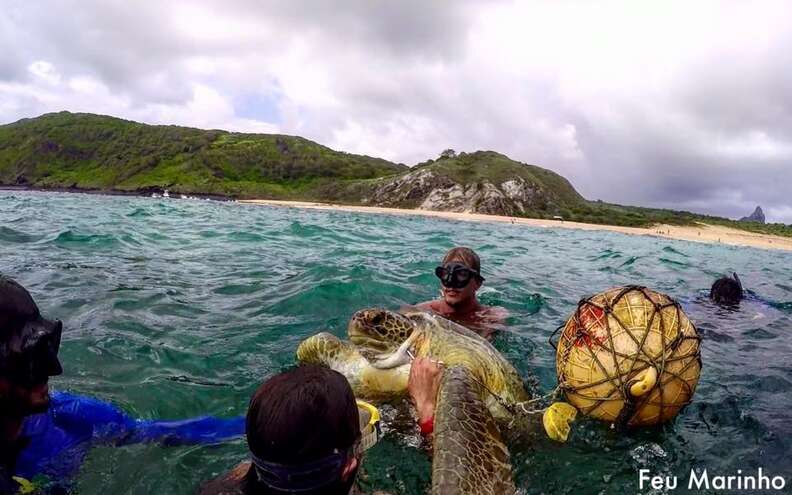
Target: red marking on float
[{"x": 590, "y": 326}]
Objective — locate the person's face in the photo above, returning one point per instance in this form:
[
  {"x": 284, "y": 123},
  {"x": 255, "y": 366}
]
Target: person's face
[
  {"x": 30, "y": 358},
  {"x": 24, "y": 400},
  {"x": 454, "y": 296}
]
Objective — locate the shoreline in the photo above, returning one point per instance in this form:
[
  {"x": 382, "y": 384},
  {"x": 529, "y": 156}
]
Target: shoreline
[
  {"x": 706, "y": 233},
  {"x": 142, "y": 193}
]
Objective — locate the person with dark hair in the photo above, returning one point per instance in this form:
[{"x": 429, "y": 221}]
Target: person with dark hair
[
  {"x": 727, "y": 290},
  {"x": 47, "y": 436},
  {"x": 460, "y": 279},
  {"x": 306, "y": 434}
]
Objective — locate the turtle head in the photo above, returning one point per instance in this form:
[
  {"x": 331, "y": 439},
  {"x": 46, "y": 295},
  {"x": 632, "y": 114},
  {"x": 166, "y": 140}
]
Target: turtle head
[{"x": 379, "y": 329}]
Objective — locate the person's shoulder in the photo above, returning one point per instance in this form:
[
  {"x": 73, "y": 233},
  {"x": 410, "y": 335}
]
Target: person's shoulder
[
  {"x": 494, "y": 313},
  {"x": 231, "y": 483},
  {"x": 433, "y": 306}
]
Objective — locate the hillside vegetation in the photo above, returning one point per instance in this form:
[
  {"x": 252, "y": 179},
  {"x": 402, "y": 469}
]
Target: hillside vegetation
[
  {"x": 85, "y": 151},
  {"x": 100, "y": 153}
]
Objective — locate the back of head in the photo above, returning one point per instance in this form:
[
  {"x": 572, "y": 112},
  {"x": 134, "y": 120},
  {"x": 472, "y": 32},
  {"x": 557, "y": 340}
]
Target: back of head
[
  {"x": 301, "y": 416},
  {"x": 726, "y": 290},
  {"x": 464, "y": 255},
  {"x": 16, "y": 307}
]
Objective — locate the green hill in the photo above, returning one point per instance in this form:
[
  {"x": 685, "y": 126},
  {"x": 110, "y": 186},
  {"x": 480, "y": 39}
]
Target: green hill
[
  {"x": 93, "y": 152},
  {"x": 100, "y": 153}
]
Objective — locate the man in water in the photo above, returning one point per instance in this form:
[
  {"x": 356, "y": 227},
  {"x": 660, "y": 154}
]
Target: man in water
[
  {"x": 727, "y": 290},
  {"x": 47, "y": 436},
  {"x": 304, "y": 434},
  {"x": 460, "y": 279}
]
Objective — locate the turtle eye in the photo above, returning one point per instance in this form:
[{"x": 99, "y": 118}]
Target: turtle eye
[{"x": 377, "y": 319}]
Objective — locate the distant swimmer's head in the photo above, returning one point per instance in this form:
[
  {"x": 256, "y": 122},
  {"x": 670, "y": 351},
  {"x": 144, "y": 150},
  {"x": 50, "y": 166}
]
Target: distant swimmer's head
[
  {"x": 727, "y": 290},
  {"x": 379, "y": 329},
  {"x": 460, "y": 275},
  {"x": 29, "y": 347},
  {"x": 303, "y": 431}
]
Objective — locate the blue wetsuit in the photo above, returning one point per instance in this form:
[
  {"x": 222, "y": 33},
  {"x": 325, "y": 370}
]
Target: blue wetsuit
[{"x": 57, "y": 441}]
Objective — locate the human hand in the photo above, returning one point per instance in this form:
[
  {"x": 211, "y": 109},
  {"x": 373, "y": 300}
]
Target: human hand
[{"x": 423, "y": 384}]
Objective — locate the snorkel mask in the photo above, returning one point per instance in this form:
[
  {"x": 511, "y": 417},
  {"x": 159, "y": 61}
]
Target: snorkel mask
[
  {"x": 370, "y": 430},
  {"x": 31, "y": 356},
  {"x": 456, "y": 275},
  {"x": 28, "y": 343},
  {"x": 316, "y": 474}
]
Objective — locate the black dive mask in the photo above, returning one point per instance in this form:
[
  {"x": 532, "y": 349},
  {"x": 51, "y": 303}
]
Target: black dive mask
[
  {"x": 456, "y": 275},
  {"x": 30, "y": 356},
  {"x": 303, "y": 477},
  {"x": 28, "y": 343}
]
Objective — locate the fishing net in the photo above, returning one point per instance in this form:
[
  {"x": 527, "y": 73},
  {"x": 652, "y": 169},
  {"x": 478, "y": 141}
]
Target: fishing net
[{"x": 629, "y": 356}]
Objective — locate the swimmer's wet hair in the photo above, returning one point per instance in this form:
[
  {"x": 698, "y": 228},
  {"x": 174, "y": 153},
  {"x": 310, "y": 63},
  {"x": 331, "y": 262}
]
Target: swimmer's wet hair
[
  {"x": 16, "y": 306},
  {"x": 16, "y": 309},
  {"x": 302, "y": 415},
  {"x": 726, "y": 290},
  {"x": 465, "y": 255}
]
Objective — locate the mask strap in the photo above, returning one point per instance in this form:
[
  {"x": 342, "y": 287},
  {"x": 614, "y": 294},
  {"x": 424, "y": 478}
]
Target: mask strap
[{"x": 298, "y": 478}]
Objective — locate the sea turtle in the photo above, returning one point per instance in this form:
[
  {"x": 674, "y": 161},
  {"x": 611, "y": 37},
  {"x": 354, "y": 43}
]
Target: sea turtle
[{"x": 477, "y": 390}]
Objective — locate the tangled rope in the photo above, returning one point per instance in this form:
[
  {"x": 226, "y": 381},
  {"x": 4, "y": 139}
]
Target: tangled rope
[{"x": 614, "y": 337}]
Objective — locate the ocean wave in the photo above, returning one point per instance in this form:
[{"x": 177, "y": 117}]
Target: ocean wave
[
  {"x": 70, "y": 238},
  {"x": 7, "y": 234},
  {"x": 140, "y": 212}
]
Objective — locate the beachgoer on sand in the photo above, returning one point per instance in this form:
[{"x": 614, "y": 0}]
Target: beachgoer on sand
[{"x": 460, "y": 279}]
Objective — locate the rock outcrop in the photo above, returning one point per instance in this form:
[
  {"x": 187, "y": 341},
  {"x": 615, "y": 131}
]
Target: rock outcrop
[
  {"x": 426, "y": 189},
  {"x": 756, "y": 216}
]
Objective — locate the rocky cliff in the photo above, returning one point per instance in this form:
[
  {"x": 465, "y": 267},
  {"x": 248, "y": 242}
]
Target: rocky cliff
[
  {"x": 480, "y": 182},
  {"x": 756, "y": 216}
]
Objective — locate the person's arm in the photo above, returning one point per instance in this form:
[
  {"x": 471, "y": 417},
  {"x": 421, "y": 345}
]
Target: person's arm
[
  {"x": 423, "y": 384},
  {"x": 201, "y": 430},
  {"x": 107, "y": 423},
  {"x": 498, "y": 315},
  {"x": 490, "y": 321}
]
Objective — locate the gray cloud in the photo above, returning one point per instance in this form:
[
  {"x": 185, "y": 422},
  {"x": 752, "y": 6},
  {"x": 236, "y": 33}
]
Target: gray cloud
[{"x": 681, "y": 107}]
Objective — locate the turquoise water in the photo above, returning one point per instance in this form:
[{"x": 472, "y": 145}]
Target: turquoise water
[{"x": 181, "y": 308}]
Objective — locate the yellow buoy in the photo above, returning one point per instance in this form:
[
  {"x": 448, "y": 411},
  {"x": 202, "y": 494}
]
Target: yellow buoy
[
  {"x": 629, "y": 356},
  {"x": 556, "y": 420}
]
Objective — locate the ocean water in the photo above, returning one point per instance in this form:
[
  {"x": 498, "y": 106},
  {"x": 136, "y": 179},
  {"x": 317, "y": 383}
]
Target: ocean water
[{"x": 178, "y": 308}]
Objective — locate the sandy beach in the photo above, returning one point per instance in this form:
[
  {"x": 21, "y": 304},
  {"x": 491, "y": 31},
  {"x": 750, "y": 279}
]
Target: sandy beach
[{"x": 699, "y": 233}]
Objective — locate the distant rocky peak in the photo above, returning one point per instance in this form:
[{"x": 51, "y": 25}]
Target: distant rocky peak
[{"x": 756, "y": 216}]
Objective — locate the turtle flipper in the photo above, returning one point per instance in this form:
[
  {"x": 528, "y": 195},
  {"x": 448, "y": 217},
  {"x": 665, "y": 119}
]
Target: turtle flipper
[{"x": 469, "y": 453}]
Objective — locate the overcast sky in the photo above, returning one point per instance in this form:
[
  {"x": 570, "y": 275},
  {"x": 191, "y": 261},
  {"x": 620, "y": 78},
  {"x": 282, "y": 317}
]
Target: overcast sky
[{"x": 684, "y": 105}]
